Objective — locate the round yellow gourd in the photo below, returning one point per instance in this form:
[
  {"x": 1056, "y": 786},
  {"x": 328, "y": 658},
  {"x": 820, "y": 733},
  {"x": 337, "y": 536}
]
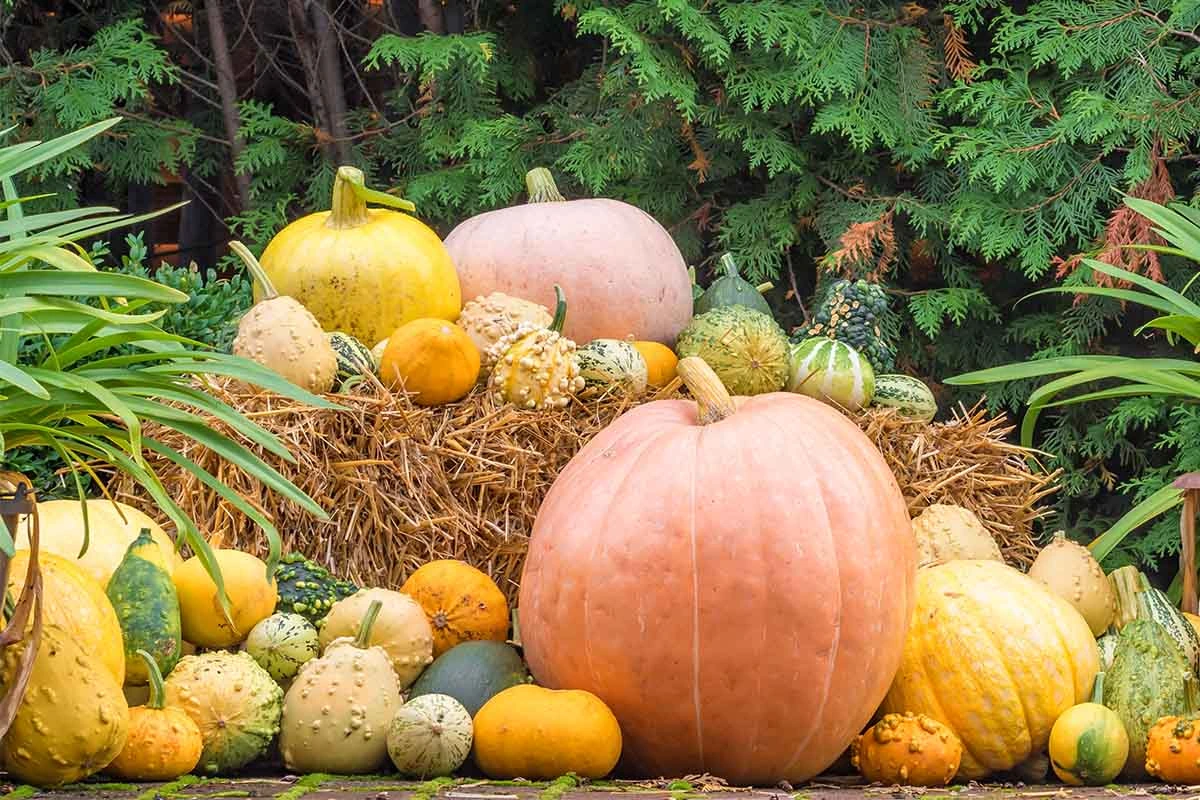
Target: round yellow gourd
[
  {"x": 660, "y": 362},
  {"x": 433, "y": 359},
  {"x": 1070, "y": 571},
  {"x": 111, "y": 528},
  {"x": 994, "y": 656},
  {"x": 1088, "y": 743},
  {"x": 365, "y": 271},
  {"x": 527, "y": 731},
  {"x": 252, "y": 597},
  {"x": 73, "y": 601}
]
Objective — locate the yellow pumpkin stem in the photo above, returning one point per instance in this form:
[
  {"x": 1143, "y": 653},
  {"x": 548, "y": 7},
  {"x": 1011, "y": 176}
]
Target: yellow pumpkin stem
[
  {"x": 368, "y": 621},
  {"x": 257, "y": 273},
  {"x": 541, "y": 186},
  {"x": 712, "y": 398},
  {"x": 158, "y": 695},
  {"x": 348, "y": 207}
]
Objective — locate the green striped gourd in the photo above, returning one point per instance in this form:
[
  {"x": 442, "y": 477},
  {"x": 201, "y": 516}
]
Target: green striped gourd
[
  {"x": 831, "y": 371},
  {"x": 910, "y": 395},
  {"x": 354, "y": 358},
  {"x": 283, "y": 643},
  {"x": 1137, "y": 599},
  {"x": 746, "y": 348},
  {"x": 611, "y": 365}
]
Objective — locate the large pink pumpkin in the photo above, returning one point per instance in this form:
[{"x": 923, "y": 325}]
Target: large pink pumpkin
[
  {"x": 737, "y": 592},
  {"x": 622, "y": 272}
]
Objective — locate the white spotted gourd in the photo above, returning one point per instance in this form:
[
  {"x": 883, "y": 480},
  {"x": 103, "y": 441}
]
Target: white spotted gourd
[
  {"x": 337, "y": 712},
  {"x": 537, "y": 367},
  {"x": 430, "y": 736},
  {"x": 489, "y": 319},
  {"x": 283, "y": 335},
  {"x": 1070, "y": 571},
  {"x": 612, "y": 366}
]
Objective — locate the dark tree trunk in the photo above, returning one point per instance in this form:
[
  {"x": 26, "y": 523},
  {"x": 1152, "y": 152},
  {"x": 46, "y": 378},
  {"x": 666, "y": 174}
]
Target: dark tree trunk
[
  {"x": 227, "y": 87},
  {"x": 309, "y": 53},
  {"x": 329, "y": 56},
  {"x": 430, "y": 12}
]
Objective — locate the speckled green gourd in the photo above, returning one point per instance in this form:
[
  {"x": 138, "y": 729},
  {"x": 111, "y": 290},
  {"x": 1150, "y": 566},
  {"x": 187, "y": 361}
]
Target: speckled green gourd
[
  {"x": 1107, "y": 644},
  {"x": 143, "y": 595},
  {"x": 746, "y": 348},
  {"x": 308, "y": 589},
  {"x": 1145, "y": 683},
  {"x": 611, "y": 366},
  {"x": 282, "y": 644},
  {"x": 354, "y": 359}
]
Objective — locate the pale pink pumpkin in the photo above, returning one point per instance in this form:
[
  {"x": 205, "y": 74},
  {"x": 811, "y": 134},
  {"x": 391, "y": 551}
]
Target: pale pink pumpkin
[
  {"x": 621, "y": 269},
  {"x": 737, "y": 592}
]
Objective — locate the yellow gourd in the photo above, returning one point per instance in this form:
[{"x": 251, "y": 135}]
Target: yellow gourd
[
  {"x": 462, "y": 603},
  {"x": 909, "y": 750},
  {"x": 365, "y": 271},
  {"x": 948, "y": 533},
  {"x": 252, "y": 598},
  {"x": 527, "y": 731},
  {"x": 536, "y": 367},
  {"x": 660, "y": 362},
  {"x": 1070, "y": 571},
  {"x": 163, "y": 742},
  {"x": 433, "y": 359},
  {"x": 281, "y": 334},
  {"x": 1088, "y": 743}
]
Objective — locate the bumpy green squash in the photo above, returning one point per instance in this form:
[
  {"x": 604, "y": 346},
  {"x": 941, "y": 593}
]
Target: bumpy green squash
[
  {"x": 143, "y": 595},
  {"x": 1137, "y": 599},
  {"x": 611, "y": 365},
  {"x": 731, "y": 290},
  {"x": 472, "y": 673},
  {"x": 746, "y": 348},
  {"x": 1145, "y": 683}
]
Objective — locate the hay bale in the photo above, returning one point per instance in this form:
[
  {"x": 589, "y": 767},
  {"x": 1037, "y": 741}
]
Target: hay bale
[{"x": 404, "y": 484}]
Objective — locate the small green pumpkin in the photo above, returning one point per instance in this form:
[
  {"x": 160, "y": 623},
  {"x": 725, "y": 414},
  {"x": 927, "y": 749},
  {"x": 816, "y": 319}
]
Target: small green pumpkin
[
  {"x": 282, "y": 644},
  {"x": 746, "y": 348},
  {"x": 354, "y": 359},
  {"x": 731, "y": 290},
  {"x": 611, "y": 365}
]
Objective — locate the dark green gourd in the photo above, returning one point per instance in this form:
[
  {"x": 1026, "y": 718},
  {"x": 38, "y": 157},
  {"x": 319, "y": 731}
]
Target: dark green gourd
[
  {"x": 472, "y": 673},
  {"x": 731, "y": 290},
  {"x": 143, "y": 595}
]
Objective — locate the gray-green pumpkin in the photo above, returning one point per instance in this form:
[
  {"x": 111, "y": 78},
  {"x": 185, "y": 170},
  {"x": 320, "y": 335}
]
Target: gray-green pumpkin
[
  {"x": 746, "y": 348},
  {"x": 611, "y": 366},
  {"x": 731, "y": 289}
]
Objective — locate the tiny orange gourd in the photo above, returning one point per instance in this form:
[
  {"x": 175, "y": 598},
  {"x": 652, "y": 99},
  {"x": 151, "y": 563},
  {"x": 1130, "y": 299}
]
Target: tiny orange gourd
[
  {"x": 163, "y": 741},
  {"x": 462, "y": 603},
  {"x": 660, "y": 362},
  {"x": 432, "y": 359},
  {"x": 1173, "y": 749},
  {"x": 907, "y": 749}
]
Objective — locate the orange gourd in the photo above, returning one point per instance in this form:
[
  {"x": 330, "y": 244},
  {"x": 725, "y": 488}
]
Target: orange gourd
[
  {"x": 909, "y": 750},
  {"x": 664, "y": 560},
  {"x": 462, "y": 603},
  {"x": 660, "y": 362},
  {"x": 433, "y": 359},
  {"x": 1173, "y": 750},
  {"x": 163, "y": 741},
  {"x": 620, "y": 267}
]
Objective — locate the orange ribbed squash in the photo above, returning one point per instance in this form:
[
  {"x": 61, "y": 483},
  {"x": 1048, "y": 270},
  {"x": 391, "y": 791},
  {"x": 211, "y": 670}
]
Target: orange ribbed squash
[
  {"x": 996, "y": 657},
  {"x": 462, "y": 603},
  {"x": 733, "y": 578}
]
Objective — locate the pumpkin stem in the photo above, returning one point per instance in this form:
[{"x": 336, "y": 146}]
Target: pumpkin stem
[
  {"x": 541, "y": 186},
  {"x": 158, "y": 696},
  {"x": 560, "y": 309},
  {"x": 763, "y": 288},
  {"x": 368, "y": 621},
  {"x": 257, "y": 273},
  {"x": 348, "y": 208},
  {"x": 712, "y": 398}
]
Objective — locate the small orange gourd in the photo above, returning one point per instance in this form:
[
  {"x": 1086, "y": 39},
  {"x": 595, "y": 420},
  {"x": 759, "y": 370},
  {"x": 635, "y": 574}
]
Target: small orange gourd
[
  {"x": 660, "y": 362},
  {"x": 163, "y": 741},
  {"x": 1173, "y": 750},
  {"x": 462, "y": 603},
  {"x": 907, "y": 749},
  {"x": 433, "y": 359}
]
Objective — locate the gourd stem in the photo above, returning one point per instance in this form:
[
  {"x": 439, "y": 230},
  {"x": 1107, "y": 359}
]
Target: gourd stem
[
  {"x": 560, "y": 309},
  {"x": 712, "y": 398},
  {"x": 348, "y": 206},
  {"x": 257, "y": 273},
  {"x": 540, "y": 185},
  {"x": 763, "y": 288},
  {"x": 1098, "y": 689},
  {"x": 729, "y": 265},
  {"x": 158, "y": 695},
  {"x": 368, "y": 621},
  {"x": 1191, "y": 694}
]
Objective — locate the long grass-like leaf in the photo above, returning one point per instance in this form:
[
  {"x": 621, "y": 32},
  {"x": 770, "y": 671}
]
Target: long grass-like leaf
[{"x": 1152, "y": 507}]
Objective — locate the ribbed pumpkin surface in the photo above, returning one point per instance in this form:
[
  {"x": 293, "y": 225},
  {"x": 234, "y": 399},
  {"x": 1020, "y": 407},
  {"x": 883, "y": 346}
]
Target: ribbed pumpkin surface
[{"x": 996, "y": 657}]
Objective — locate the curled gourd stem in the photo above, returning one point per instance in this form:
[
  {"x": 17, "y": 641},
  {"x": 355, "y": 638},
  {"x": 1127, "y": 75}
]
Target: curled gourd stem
[
  {"x": 368, "y": 621},
  {"x": 541, "y": 186},
  {"x": 158, "y": 695},
  {"x": 712, "y": 398},
  {"x": 560, "y": 309},
  {"x": 257, "y": 273},
  {"x": 348, "y": 207}
]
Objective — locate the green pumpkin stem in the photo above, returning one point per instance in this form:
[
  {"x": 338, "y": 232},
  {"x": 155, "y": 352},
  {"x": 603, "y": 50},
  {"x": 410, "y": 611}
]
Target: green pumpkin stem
[
  {"x": 363, "y": 639},
  {"x": 158, "y": 695},
  {"x": 763, "y": 288},
  {"x": 540, "y": 185},
  {"x": 1098, "y": 689},
  {"x": 729, "y": 266},
  {"x": 348, "y": 207},
  {"x": 257, "y": 273},
  {"x": 713, "y": 402},
  {"x": 560, "y": 309}
]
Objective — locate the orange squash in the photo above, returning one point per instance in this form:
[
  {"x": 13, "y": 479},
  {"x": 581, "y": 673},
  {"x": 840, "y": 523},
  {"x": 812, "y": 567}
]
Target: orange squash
[
  {"x": 163, "y": 741},
  {"x": 660, "y": 362},
  {"x": 909, "y": 750},
  {"x": 654, "y": 577},
  {"x": 462, "y": 603},
  {"x": 431, "y": 358},
  {"x": 1173, "y": 750}
]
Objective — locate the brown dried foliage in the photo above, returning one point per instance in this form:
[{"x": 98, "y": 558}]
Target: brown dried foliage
[
  {"x": 865, "y": 247},
  {"x": 959, "y": 62},
  {"x": 404, "y": 485}
]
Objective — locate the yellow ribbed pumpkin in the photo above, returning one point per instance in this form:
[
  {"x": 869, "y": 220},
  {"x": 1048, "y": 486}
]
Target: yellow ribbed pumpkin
[
  {"x": 434, "y": 359},
  {"x": 363, "y": 271},
  {"x": 994, "y": 656}
]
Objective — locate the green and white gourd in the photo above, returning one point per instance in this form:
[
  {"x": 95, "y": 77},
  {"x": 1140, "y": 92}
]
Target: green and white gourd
[
  {"x": 1137, "y": 599},
  {"x": 831, "y": 371},
  {"x": 611, "y": 365},
  {"x": 430, "y": 736},
  {"x": 283, "y": 643},
  {"x": 1107, "y": 645},
  {"x": 911, "y": 396},
  {"x": 354, "y": 359}
]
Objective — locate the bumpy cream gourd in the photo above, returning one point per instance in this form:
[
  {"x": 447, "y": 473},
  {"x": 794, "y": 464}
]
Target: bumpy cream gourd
[
  {"x": 490, "y": 318},
  {"x": 1071, "y": 572},
  {"x": 281, "y": 334},
  {"x": 536, "y": 367},
  {"x": 402, "y": 629}
]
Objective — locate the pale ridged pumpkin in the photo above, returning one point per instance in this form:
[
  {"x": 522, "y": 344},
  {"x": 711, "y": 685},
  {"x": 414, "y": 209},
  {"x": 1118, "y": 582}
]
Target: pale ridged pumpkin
[
  {"x": 619, "y": 266},
  {"x": 660, "y": 363},
  {"x": 909, "y": 750},
  {"x": 365, "y": 271},
  {"x": 654, "y": 572},
  {"x": 432, "y": 359},
  {"x": 462, "y": 603},
  {"x": 996, "y": 657}
]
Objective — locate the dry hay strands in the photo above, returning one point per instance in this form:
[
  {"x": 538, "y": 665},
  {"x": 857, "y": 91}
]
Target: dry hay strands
[
  {"x": 969, "y": 461},
  {"x": 402, "y": 484}
]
